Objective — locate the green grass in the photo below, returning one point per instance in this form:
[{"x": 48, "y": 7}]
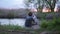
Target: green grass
[
  {"x": 51, "y": 25},
  {"x": 16, "y": 28},
  {"x": 11, "y": 27}
]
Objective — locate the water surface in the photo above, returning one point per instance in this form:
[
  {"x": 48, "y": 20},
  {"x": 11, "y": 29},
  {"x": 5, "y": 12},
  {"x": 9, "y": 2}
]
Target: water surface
[{"x": 15, "y": 21}]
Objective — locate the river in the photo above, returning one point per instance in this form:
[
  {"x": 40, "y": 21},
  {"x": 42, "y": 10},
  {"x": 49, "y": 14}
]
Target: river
[{"x": 15, "y": 21}]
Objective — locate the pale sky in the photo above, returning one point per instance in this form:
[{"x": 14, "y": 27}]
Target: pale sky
[{"x": 12, "y": 4}]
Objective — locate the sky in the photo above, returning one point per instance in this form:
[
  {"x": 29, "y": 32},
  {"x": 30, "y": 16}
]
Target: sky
[{"x": 12, "y": 4}]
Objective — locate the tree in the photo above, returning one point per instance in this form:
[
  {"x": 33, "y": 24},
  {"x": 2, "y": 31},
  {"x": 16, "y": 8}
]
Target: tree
[
  {"x": 41, "y": 3},
  {"x": 35, "y": 2},
  {"x": 51, "y": 3},
  {"x": 27, "y": 3}
]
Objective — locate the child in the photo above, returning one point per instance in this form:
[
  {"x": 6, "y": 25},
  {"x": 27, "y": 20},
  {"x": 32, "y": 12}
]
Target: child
[{"x": 29, "y": 20}]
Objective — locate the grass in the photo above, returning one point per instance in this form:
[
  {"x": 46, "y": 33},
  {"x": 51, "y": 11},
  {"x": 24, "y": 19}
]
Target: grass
[
  {"x": 17, "y": 28},
  {"x": 51, "y": 25},
  {"x": 11, "y": 27}
]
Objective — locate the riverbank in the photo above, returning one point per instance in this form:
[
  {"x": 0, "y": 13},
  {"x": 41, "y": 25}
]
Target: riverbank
[
  {"x": 46, "y": 26},
  {"x": 10, "y": 29}
]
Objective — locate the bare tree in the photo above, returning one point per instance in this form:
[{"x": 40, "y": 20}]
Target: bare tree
[{"x": 51, "y": 3}]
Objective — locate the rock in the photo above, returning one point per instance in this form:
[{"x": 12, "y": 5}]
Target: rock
[{"x": 35, "y": 27}]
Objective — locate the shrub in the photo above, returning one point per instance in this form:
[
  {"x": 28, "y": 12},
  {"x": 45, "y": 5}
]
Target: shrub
[
  {"x": 57, "y": 21},
  {"x": 44, "y": 24},
  {"x": 49, "y": 25}
]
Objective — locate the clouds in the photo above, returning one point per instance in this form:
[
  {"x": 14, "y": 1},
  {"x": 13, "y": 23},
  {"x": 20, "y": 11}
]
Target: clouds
[{"x": 11, "y": 4}]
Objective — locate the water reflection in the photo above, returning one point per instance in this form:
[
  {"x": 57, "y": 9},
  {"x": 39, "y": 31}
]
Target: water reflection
[{"x": 15, "y": 21}]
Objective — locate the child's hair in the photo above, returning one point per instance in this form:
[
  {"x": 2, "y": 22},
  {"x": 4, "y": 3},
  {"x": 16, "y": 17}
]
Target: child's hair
[{"x": 30, "y": 13}]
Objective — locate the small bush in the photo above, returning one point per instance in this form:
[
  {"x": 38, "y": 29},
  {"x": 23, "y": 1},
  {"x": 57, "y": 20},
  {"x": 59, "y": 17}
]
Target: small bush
[
  {"x": 57, "y": 21},
  {"x": 44, "y": 24},
  {"x": 49, "y": 25}
]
